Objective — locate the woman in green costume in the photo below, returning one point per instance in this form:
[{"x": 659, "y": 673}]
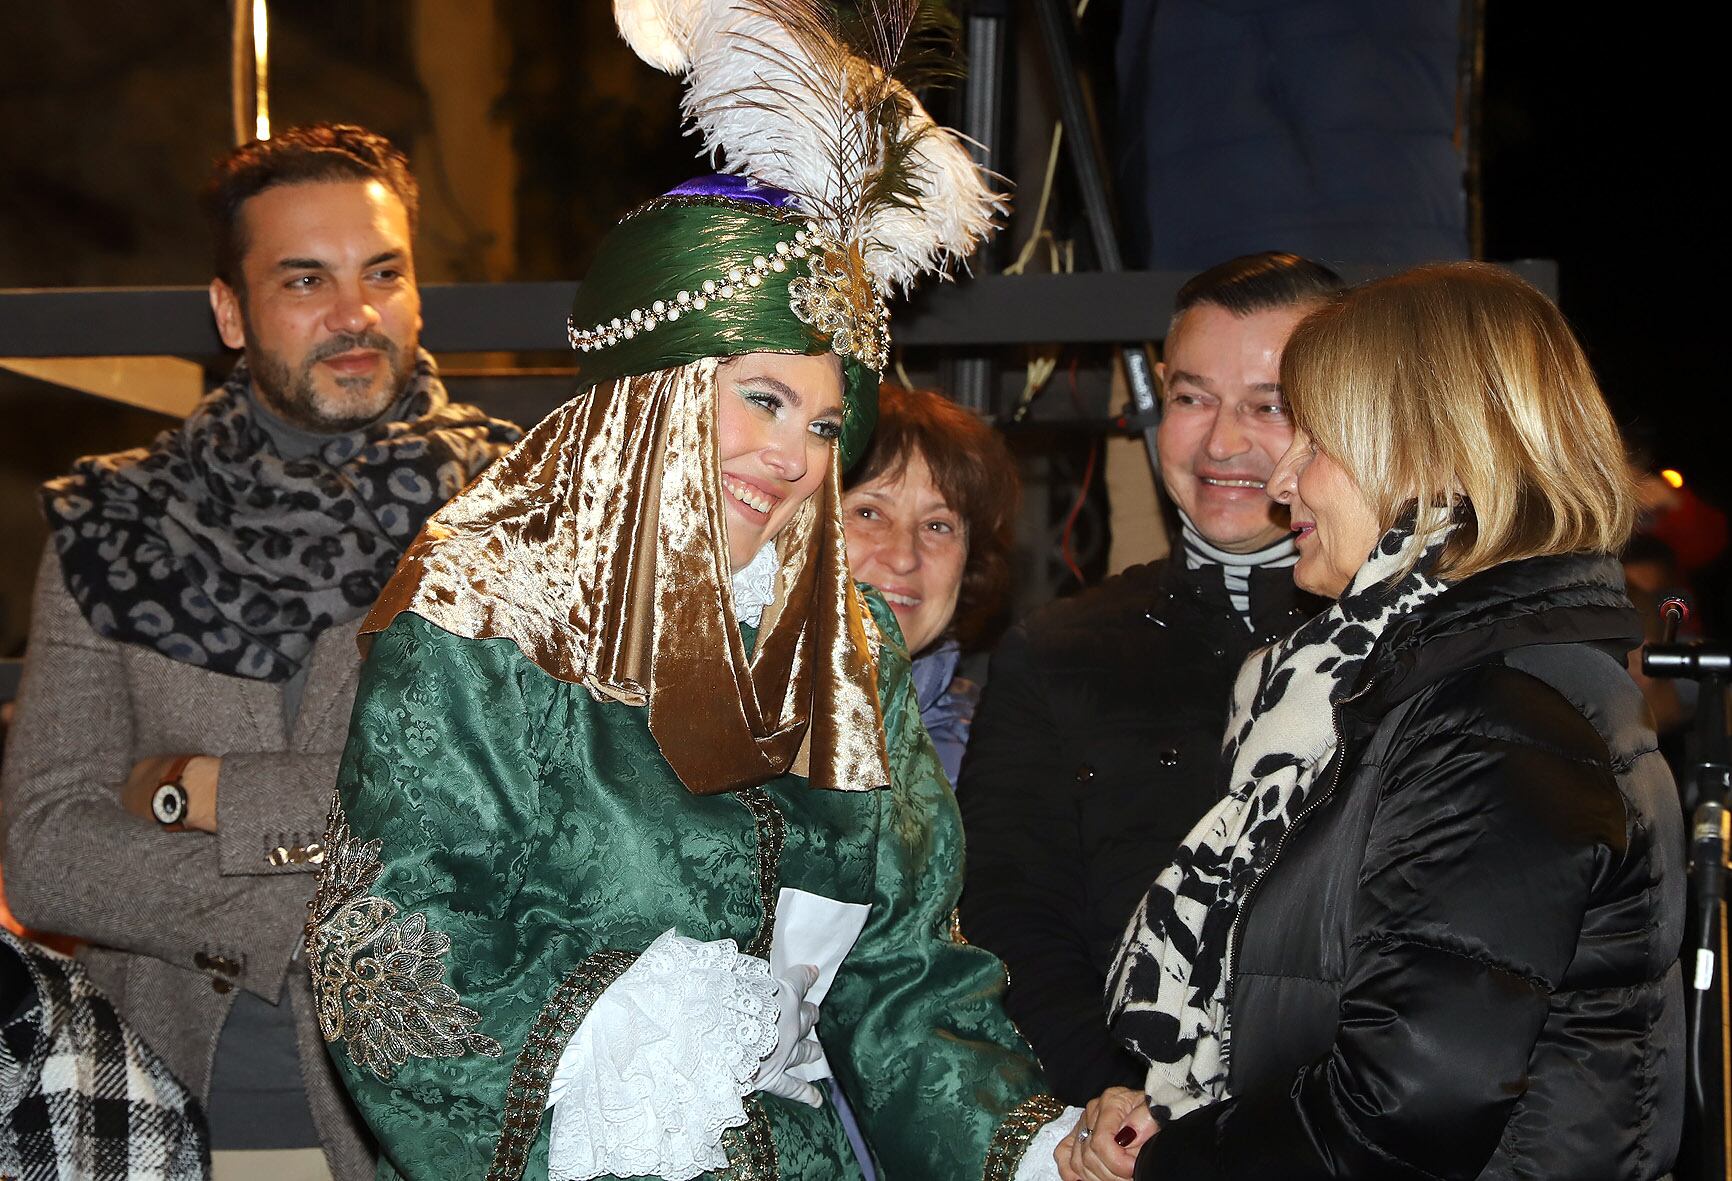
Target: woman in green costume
[{"x": 638, "y": 836}]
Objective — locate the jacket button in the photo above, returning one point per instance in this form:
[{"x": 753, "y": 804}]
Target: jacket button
[
  {"x": 278, "y": 856},
  {"x": 1084, "y": 773},
  {"x": 219, "y": 985},
  {"x": 201, "y": 961},
  {"x": 1169, "y": 758}
]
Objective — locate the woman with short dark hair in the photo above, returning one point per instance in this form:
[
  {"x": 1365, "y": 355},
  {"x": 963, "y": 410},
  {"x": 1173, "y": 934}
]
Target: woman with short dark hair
[{"x": 930, "y": 517}]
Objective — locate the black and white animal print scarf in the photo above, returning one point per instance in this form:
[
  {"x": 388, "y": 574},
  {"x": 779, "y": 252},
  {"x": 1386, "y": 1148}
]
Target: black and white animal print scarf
[
  {"x": 1167, "y": 994},
  {"x": 214, "y": 550}
]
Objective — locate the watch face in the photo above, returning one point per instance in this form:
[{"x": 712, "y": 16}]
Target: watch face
[{"x": 168, "y": 805}]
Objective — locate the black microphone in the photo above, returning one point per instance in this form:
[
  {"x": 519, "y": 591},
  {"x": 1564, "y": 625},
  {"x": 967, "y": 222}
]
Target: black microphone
[
  {"x": 1708, "y": 876},
  {"x": 1696, "y": 660},
  {"x": 1674, "y": 613}
]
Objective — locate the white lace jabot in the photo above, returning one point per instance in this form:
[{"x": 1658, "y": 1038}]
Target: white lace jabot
[
  {"x": 661, "y": 1063},
  {"x": 755, "y": 585}
]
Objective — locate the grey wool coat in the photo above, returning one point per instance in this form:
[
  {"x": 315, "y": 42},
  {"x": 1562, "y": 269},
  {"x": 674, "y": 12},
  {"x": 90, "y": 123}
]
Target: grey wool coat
[{"x": 175, "y": 922}]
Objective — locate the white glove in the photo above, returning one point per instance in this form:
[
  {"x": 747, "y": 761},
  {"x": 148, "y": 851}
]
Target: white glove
[{"x": 794, "y": 1021}]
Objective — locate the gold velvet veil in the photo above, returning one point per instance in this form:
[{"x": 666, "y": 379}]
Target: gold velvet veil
[{"x": 598, "y": 548}]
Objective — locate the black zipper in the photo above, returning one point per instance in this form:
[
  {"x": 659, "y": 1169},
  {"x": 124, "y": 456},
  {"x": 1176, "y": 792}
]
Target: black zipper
[{"x": 1234, "y": 933}]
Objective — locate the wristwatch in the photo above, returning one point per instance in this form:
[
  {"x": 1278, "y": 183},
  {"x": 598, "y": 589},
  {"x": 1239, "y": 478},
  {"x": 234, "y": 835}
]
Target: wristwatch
[{"x": 168, "y": 803}]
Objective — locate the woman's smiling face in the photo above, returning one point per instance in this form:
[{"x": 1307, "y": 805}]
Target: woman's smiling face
[
  {"x": 778, "y": 417},
  {"x": 906, "y": 540},
  {"x": 1335, "y": 525}
]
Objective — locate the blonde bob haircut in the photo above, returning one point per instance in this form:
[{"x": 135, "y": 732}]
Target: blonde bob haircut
[{"x": 1458, "y": 382}]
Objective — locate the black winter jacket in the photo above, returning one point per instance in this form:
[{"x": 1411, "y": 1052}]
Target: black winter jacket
[
  {"x": 1462, "y": 962},
  {"x": 1095, "y": 748}
]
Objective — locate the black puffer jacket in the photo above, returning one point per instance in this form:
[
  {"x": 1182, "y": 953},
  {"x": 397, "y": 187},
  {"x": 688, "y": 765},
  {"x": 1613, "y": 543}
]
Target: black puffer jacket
[
  {"x": 1095, "y": 748},
  {"x": 1463, "y": 960}
]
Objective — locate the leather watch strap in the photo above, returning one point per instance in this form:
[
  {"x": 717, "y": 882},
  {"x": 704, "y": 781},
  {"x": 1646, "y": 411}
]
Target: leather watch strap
[{"x": 176, "y": 769}]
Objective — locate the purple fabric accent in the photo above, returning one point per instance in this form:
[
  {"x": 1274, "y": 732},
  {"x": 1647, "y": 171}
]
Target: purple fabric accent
[
  {"x": 851, "y": 1125},
  {"x": 946, "y": 703},
  {"x": 735, "y": 188}
]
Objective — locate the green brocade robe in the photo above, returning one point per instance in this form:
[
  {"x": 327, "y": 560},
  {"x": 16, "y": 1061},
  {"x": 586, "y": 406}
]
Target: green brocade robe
[{"x": 505, "y": 830}]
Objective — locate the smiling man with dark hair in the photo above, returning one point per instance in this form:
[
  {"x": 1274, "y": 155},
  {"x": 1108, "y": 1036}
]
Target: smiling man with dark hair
[
  {"x": 1095, "y": 745},
  {"x": 192, "y": 655}
]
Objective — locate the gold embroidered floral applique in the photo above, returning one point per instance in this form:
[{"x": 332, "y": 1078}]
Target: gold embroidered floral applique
[
  {"x": 839, "y": 300},
  {"x": 378, "y": 976}
]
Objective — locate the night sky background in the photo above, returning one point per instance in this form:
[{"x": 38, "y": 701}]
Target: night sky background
[
  {"x": 1596, "y": 149},
  {"x": 1596, "y": 154}
]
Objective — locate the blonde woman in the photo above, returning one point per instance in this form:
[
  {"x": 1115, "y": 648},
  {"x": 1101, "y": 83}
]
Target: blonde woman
[{"x": 1432, "y": 929}]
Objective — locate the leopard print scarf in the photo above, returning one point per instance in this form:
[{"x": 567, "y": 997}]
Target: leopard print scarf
[
  {"x": 1167, "y": 993},
  {"x": 214, "y": 550}
]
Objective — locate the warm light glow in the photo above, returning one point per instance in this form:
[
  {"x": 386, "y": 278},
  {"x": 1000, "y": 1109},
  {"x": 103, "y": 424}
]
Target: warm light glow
[
  {"x": 1673, "y": 477},
  {"x": 261, "y": 60}
]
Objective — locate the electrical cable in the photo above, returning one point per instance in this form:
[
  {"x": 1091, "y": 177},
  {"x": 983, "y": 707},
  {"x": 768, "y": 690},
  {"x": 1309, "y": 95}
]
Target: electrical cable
[
  {"x": 1082, "y": 495},
  {"x": 1061, "y": 259},
  {"x": 1064, "y": 539}
]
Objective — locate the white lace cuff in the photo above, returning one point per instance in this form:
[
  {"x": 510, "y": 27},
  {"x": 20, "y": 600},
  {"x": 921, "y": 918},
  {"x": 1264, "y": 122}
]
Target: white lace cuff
[
  {"x": 1037, "y": 1162},
  {"x": 657, "y": 1070}
]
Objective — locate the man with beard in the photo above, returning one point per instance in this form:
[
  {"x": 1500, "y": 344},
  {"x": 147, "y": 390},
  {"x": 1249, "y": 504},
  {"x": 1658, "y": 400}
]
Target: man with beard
[
  {"x": 1096, "y": 744},
  {"x": 192, "y": 656}
]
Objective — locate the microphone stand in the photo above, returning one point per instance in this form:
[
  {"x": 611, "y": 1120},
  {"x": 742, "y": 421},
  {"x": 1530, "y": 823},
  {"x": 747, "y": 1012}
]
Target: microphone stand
[{"x": 1707, "y": 782}]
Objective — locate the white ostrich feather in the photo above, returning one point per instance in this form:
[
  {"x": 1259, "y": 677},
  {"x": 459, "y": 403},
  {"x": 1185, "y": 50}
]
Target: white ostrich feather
[
  {"x": 778, "y": 95},
  {"x": 659, "y": 31},
  {"x": 956, "y": 209}
]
